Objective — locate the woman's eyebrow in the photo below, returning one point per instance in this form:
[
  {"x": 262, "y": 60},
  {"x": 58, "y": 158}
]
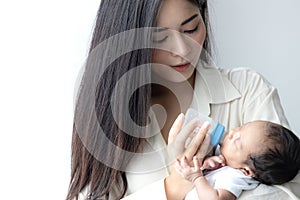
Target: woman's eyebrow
[
  {"x": 156, "y": 30},
  {"x": 189, "y": 19}
]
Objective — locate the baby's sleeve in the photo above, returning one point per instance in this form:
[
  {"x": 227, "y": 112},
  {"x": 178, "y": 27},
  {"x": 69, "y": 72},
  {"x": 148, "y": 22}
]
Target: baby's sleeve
[{"x": 234, "y": 181}]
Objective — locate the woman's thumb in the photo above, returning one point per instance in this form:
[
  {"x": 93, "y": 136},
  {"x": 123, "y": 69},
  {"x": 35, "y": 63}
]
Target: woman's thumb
[{"x": 176, "y": 127}]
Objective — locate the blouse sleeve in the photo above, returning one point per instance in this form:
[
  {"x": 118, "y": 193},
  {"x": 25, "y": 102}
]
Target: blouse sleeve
[
  {"x": 259, "y": 98},
  {"x": 233, "y": 181},
  {"x": 266, "y": 106}
]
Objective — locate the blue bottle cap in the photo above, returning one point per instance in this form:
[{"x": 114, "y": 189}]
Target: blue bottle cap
[{"x": 217, "y": 134}]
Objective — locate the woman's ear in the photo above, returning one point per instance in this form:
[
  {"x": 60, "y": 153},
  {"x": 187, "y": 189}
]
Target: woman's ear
[{"x": 247, "y": 171}]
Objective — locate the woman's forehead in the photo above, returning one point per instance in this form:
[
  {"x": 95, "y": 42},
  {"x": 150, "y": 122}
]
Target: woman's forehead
[{"x": 175, "y": 12}]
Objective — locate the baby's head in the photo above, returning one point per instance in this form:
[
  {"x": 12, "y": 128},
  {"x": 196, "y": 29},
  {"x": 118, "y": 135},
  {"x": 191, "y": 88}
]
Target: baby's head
[{"x": 266, "y": 151}]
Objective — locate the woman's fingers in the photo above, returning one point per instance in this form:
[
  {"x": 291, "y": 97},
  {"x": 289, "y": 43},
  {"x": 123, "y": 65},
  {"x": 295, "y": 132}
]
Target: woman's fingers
[
  {"x": 178, "y": 136},
  {"x": 188, "y": 130},
  {"x": 197, "y": 143},
  {"x": 173, "y": 149},
  {"x": 204, "y": 147},
  {"x": 176, "y": 127}
]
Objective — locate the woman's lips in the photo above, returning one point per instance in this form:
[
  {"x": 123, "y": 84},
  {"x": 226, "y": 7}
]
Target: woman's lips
[{"x": 181, "y": 68}]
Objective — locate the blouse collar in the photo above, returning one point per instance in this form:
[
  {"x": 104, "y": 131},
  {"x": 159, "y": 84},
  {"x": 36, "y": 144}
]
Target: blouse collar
[{"x": 212, "y": 87}]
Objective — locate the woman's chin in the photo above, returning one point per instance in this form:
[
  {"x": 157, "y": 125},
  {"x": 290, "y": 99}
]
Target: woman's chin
[{"x": 172, "y": 75}]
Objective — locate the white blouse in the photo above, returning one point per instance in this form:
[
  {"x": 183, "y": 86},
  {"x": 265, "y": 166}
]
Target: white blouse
[{"x": 232, "y": 97}]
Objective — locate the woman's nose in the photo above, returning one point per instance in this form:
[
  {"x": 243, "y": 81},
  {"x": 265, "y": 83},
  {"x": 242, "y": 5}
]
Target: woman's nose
[{"x": 180, "y": 47}]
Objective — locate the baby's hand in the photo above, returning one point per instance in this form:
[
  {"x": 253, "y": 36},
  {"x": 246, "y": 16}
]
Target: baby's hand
[
  {"x": 187, "y": 171},
  {"x": 213, "y": 162}
]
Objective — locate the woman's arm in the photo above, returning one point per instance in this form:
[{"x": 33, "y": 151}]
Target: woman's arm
[{"x": 174, "y": 186}]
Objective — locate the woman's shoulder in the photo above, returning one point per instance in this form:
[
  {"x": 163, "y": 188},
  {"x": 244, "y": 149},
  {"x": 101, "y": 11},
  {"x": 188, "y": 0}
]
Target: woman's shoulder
[
  {"x": 236, "y": 74},
  {"x": 246, "y": 78},
  {"x": 242, "y": 73}
]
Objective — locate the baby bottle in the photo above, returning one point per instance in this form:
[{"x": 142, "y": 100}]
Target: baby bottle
[{"x": 216, "y": 130}]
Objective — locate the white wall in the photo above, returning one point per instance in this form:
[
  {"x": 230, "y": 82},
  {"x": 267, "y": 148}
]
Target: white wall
[
  {"x": 263, "y": 35},
  {"x": 42, "y": 46}
]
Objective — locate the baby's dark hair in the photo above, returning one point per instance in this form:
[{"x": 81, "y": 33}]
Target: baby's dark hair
[{"x": 280, "y": 160}]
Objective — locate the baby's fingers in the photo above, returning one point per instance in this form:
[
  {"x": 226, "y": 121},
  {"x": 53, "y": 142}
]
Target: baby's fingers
[
  {"x": 179, "y": 168},
  {"x": 222, "y": 160},
  {"x": 212, "y": 163},
  {"x": 196, "y": 164},
  {"x": 204, "y": 166}
]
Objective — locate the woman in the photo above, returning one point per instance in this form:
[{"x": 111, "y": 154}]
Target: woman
[{"x": 120, "y": 129}]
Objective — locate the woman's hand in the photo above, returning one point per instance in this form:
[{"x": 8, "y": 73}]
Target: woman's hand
[{"x": 177, "y": 187}]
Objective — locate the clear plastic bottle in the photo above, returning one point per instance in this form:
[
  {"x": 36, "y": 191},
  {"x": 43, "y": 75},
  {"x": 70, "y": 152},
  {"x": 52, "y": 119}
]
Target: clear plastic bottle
[{"x": 216, "y": 130}]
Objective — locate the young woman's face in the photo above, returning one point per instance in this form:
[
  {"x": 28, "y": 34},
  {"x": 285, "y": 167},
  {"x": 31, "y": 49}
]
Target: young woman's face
[
  {"x": 240, "y": 142},
  {"x": 180, "y": 33}
]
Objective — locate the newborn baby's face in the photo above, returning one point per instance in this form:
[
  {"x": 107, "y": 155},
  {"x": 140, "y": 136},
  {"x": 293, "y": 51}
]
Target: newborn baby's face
[{"x": 242, "y": 141}]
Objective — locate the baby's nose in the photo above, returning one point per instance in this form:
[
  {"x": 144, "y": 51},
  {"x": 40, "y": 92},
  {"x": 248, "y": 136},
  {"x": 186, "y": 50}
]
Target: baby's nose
[
  {"x": 233, "y": 134},
  {"x": 236, "y": 135},
  {"x": 230, "y": 134}
]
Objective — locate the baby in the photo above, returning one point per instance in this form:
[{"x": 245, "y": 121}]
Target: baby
[{"x": 257, "y": 152}]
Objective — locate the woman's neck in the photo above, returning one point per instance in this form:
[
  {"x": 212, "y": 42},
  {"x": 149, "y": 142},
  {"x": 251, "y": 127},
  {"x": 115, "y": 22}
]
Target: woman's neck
[
  {"x": 167, "y": 88},
  {"x": 175, "y": 98}
]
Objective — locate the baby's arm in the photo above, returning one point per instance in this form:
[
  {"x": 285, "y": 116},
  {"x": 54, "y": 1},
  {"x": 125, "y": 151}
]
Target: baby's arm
[{"x": 194, "y": 174}]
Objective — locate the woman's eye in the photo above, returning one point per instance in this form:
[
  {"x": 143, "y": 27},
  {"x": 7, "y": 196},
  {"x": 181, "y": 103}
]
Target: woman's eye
[
  {"x": 161, "y": 40},
  {"x": 192, "y": 31}
]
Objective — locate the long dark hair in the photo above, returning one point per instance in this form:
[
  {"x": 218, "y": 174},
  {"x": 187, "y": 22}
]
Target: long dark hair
[{"x": 94, "y": 99}]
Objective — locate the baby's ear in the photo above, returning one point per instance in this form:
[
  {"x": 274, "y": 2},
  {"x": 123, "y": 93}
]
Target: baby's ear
[{"x": 247, "y": 171}]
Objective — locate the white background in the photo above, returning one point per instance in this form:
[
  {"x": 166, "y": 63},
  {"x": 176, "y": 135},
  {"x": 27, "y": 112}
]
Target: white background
[
  {"x": 263, "y": 35},
  {"x": 42, "y": 46},
  {"x": 44, "y": 43}
]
